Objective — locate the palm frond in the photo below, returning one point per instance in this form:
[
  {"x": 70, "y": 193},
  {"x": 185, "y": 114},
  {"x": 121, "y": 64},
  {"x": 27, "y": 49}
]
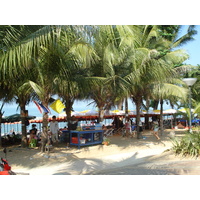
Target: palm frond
[{"x": 176, "y": 57}]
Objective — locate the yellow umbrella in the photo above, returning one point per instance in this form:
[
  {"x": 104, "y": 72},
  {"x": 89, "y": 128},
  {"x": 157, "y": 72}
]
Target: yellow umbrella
[
  {"x": 114, "y": 111},
  {"x": 84, "y": 111},
  {"x": 156, "y": 111},
  {"x": 185, "y": 110}
]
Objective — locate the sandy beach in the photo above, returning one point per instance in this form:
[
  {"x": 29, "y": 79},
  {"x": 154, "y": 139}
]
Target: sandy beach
[{"x": 93, "y": 159}]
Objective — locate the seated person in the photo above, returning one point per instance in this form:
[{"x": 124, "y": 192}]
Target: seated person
[
  {"x": 33, "y": 133},
  {"x": 73, "y": 123},
  {"x": 180, "y": 125}
]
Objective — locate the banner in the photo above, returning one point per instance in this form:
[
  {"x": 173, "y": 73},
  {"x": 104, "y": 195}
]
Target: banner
[
  {"x": 42, "y": 108},
  {"x": 38, "y": 106},
  {"x": 57, "y": 106}
]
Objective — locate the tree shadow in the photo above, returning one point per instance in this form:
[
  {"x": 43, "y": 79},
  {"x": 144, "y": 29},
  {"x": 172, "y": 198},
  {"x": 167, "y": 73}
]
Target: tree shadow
[
  {"x": 70, "y": 163},
  {"x": 86, "y": 166}
]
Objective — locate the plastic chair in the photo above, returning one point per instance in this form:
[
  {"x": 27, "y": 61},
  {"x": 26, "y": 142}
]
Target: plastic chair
[{"x": 108, "y": 132}]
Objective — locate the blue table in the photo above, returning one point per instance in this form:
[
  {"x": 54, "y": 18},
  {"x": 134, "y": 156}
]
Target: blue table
[{"x": 90, "y": 137}]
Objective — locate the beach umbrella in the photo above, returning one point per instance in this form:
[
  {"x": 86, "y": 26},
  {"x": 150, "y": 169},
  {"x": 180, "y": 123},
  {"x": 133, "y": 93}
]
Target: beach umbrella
[
  {"x": 184, "y": 110},
  {"x": 63, "y": 114},
  {"x": 132, "y": 113},
  {"x": 75, "y": 113},
  {"x": 154, "y": 112},
  {"x": 170, "y": 111},
  {"x": 118, "y": 112},
  {"x": 84, "y": 111},
  {"x": 91, "y": 113},
  {"x": 15, "y": 118}
]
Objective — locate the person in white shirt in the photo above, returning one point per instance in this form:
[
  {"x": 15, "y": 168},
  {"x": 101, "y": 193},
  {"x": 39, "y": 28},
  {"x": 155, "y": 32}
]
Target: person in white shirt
[
  {"x": 54, "y": 129},
  {"x": 128, "y": 127}
]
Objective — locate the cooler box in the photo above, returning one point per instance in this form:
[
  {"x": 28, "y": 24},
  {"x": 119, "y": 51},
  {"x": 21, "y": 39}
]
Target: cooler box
[
  {"x": 75, "y": 140},
  {"x": 98, "y": 126},
  {"x": 82, "y": 141}
]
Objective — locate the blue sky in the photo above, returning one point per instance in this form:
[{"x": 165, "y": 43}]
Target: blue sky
[{"x": 193, "y": 49}]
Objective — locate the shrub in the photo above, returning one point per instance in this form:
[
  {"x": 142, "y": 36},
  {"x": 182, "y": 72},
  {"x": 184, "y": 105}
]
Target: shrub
[{"x": 187, "y": 145}]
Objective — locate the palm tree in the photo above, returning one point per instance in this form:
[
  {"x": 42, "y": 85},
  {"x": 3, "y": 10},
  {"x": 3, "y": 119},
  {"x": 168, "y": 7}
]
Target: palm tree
[
  {"x": 172, "y": 34},
  {"x": 169, "y": 48},
  {"x": 43, "y": 83},
  {"x": 25, "y": 49},
  {"x": 75, "y": 57},
  {"x": 168, "y": 90},
  {"x": 149, "y": 66},
  {"x": 5, "y": 98},
  {"x": 34, "y": 49},
  {"x": 18, "y": 91},
  {"x": 194, "y": 73},
  {"x": 61, "y": 68},
  {"x": 23, "y": 95},
  {"x": 111, "y": 45},
  {"x": 12, "y": 63}
]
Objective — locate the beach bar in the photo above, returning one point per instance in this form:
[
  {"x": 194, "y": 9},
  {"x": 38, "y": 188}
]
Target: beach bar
[{"x": 86, "y": 137}]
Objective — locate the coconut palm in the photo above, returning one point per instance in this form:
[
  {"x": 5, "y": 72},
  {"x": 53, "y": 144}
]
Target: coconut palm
[
  {"x": 5, "y": 97},
  {"x": 12, "y": 63},
  {"x": 42, "y": 84},
  {"x": 20, "y": 44},
  {"x": 20, "y": 93},
  {"x": 172, "y": 34},
  {"x": 22, "y": 96},
  {"x": 169, "y": 47},
  {"x": 75, "y": 56},
  {"x": 168, "y": 90},
  {"x": 61, "y": 67},
  {"x": 194, "y": 73},
  {"x": 111, "y": 44},
  {"x": 149, "y": 66}
]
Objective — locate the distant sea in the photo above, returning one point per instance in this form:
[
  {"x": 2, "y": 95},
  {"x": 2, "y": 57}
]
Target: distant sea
[{"x": 10, "y": 109}]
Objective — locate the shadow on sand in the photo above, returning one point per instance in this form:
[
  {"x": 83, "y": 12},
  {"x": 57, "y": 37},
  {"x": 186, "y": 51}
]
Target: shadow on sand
[{"x": 88, "y": 160}]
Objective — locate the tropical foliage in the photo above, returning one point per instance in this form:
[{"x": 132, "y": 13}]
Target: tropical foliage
[{"x": 188, "y": 145}]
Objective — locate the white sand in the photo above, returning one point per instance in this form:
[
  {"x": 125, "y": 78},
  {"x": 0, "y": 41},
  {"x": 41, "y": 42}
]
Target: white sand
[{"x": 121, "y": 152}]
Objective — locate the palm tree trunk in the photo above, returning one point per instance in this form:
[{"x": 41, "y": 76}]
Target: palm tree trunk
[
  {"x": 24, "y": 114},
  {"x": 146, "y": 121},
  {"x": 161, "y": 117},
  {"x": 156, "y": 103},
  {"x": 45, "y": 121},
  {"x": 68, "y": 113},
  {"x": 0, "y": 128},
  {"x": 68, "y": 108},
  {"x": 1, "y": 114},
  {"x": 101, "y": 114},
  {"x": 120, "y": 105},
  {"x": 44, "y": 138},
  {"x": 138, "y": 105},
  {"x": 126, "y": 106},
  {"x": 45, "y": 118},
  {"x": 147, "y": 115}
]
